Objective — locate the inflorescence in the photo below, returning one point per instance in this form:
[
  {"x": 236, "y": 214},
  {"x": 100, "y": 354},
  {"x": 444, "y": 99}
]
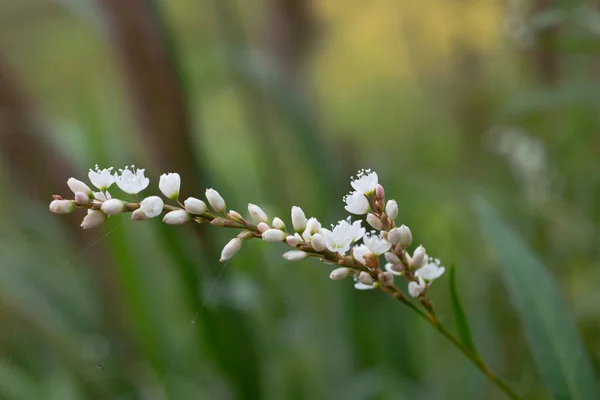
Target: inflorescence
[{"x": 347, "y": 244}]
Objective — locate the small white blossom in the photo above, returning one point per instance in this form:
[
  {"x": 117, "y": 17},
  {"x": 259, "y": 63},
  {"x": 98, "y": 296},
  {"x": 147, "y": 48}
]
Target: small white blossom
[
  {"x": 78, "y": 186},
  {"x": 152, "y": 206},
  {"x": 274, "y": 235},
  {"x": 257, "y": 214},
  {"x": 386, "y": 278},
  {"x": 415, "y": 289},
  {"x": 62, "y": 206},
  {"x": 362, "y": 286},
  {"x": 102, "y": 179},
  {"x": 419, "y": 258},
  {"x": 262, "y": 227},
  {"x": 231, "y": 249},
  {"x": 374, "y": 221},
  {"x": 278, "y": 224},
  {"x": 430, "y": 271},
  {"x": 235, "y": 215},
  {"x": 132, "y": 182},
  {"x": 365, "y": 278},
  {"x": 376, "y": 244},
  {"x": 82, "y": 198},
  {"x": 195, "y": 206},
  {"x": 392, "y": 258},
  {"x": 176, "y": 217},
  {"x": 405, "y": 236},
  {"x": 293, "y": 240},
  {"x": 318, "y": 242},
  {"x": 339, "y": 273},
  {"x": 391, "y": 209},
  {"x": 113, "y": 206},
  {"x": 295, "y": 255},
  {"x": 312, "y": 226},
  {"x": 169, "y": 185},
  {"x": 99, "y": 197},
  {"x": 215, "y": 200},
  {"x": 298, "y": 219},
  {"x": 342, "y": 236},
  {"x": 395, "y": 269},
  {"x": 359, "y": 252},
  {"x": 365, "y": 182},
  {"x": 356, "y": 203},
  {"x": 138, "y": 215},
  {"x": 93, "y": 219}
]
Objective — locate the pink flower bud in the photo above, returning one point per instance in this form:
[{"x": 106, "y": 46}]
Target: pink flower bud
[{"x": 62, "y": 206}]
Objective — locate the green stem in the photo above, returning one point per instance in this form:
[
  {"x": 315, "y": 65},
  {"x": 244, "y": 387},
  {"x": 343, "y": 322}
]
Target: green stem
[{"x": 475, "y": 359}]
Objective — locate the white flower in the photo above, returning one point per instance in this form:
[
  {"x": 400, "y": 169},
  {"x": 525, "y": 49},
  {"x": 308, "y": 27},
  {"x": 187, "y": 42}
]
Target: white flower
[
  {"x": 359, "y": 252},
  {"x": 365, "y": 278},
  {"x": 293, "y": 240},
  {"x": 365, "y": 182},
  {"x": 262, "y": 227},
  {"x": 419, "y": 258},
  {"x": 312, "y": 226},
  {"x": 113, "y": 206},
  {"x": 138, "y": 215},
  {"x": 386, "y": 278},
  {"x": 318, "y": 242},
  {"x": 342, "y": 236},
  {"x": 374, "y": 221},
  {"x": 376, "y": 244},
  {"x": 257, "y": 214},
  {"x": 176, "y": 217},
  {"x": 392, "y": 258},
  {"x": 195, "y": 206},
  {"x": 278, "y": 224},
  {"x": 362, "y": 286},
  {"x": 215, "y": 200},
  {"x": 78, "y": 186},
  {"x": 295, "y": 255},
  {"x": 357, "y": 203},
  {"x": 391, "y": 209},
  {"x": 236, "y": 216},
  {"x": 93, "y": 219},
  {"x": 82, "y": 198},
  {"x": 395, "y": 269},
  {"x": 99, "y": 197},
  {"x": 62, "y": 206},
  {"x": 131, "y": 182},
  {"x": 339, "y": 273},
  {"x": 102, "y": 179},
  {"x": 169, "y": 185},
  {"x": 231, "y": 249},
  {"x": 298, "y": 219},
  {"x": 430, "y": 271},
  {"x": 152, "y": 206},
  {"x": 415, "y": 289},
  {"x": 405, "y": 236},
  {"x": 273, "y": 235}
]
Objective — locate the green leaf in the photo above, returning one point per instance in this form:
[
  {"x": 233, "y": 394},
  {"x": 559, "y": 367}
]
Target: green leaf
[
  {"x": 553, "y": 338},
  {"x": 460, "y": 318}
]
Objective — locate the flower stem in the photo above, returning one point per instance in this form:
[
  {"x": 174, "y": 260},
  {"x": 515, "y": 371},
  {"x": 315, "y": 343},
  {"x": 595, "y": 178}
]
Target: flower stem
[{"x": 436, "y": 323}]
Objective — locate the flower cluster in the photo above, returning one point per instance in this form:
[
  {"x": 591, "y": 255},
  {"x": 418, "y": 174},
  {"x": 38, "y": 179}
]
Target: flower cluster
[{"x": 347, "y": 244}]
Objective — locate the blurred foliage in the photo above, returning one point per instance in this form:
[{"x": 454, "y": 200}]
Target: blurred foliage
[{"x": 281, "y": 102}]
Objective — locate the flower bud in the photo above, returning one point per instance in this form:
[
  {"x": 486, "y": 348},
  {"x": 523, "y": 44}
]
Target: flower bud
[
  {"x": 365, "y": 278},
  {"x": 393, "y": 236},
  {"x": 415, "y": 289},
  {"x": 93, "y": 219},
  {"x": 262, "y": 227},
  {"x": 62, "y": 206},
  {"x": 278, "y": 224},
  {"x": 405, "y": 236},
  {"x": 78, "y": 186},
  {"x": 169, "y": 185},
  {"x": 82, "y": 199},
  {"x": 195, "y": 206},
  {"x": 298, "y": 219},
  {"x": 176, "y": 217},
  {"x": 215, "y": 200},
  {"x": 392, "y": 258},
  {"x": 295, "y": 255},
  {"x": 374, "y": 221},
  {"x": 245, "y": 235},
  {"x": 318, "y": 242},
  {"x": 152, "y": 206},
  {"x": 418, "y": 258},
  {"x": 339, "y": 273},
  {"x": 236, "y": 216},
  {"x": 257, "y": 214},
  {"x": 292, "y": 240},
  {"x": 312, "y": 226},
  {"x": 379, "y": 191},
  {"x": 230, "y": 248},
  {"x": 386, "y": 278},
  {"x": 274, "y": 235},
  {"x": 391, "y": 209},
  {"x": 113, "y": 206},
  {"x": 139, "y": 215}
]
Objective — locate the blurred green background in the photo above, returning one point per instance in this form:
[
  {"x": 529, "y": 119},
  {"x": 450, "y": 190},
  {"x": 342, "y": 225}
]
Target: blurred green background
[{"x": 278, "y": 103}]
